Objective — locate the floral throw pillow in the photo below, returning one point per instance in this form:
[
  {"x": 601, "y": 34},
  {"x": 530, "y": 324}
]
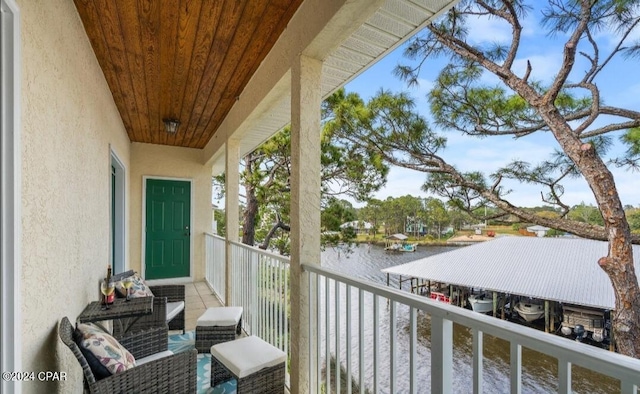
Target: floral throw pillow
[
  {"x": 139, "y": 288},
  {"x": 106, "y": 349}
]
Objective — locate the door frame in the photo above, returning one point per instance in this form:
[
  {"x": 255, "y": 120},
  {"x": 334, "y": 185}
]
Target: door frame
[
  {"x": 11, "y": 196},
  {"x": 143, "y": 253},
  {"x": 119, "y": 261}
]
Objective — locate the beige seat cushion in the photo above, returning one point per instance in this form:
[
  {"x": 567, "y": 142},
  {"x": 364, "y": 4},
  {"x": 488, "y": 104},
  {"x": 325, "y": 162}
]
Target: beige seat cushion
[
  {"x": 248, "y": 355},
  {"x": 222, "y": 316}
]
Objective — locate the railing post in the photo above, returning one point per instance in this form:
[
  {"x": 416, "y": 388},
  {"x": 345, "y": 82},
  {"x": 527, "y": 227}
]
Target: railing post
[
  {"x": 255, "y": 298},
  {"x": 306, "y": 100},
  {"x": 393, "y": 347},
  {"x": 516, "y": 368},
  {"x": 564, "y": 376},
  {"x": 413, "y": 350},
  {"x": 477, "y": 361},
  {"x": 232, "y": 206},
  {"x": 441, "y": 355}
]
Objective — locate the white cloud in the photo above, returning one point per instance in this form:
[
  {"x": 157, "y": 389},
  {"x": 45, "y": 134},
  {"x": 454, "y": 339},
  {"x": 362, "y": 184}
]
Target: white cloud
[
  {"x": 484, "y": 30},
  {"x": 530, "y": 25},
  {"x": 487, "y": 154},
  {"x": 402, "y": 181}
]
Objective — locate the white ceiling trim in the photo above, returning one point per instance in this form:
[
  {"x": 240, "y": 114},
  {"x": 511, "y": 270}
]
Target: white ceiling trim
[{"x": 390, "y": 26}]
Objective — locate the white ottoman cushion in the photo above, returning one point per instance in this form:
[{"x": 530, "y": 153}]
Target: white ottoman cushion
[
  {"x": 222, "y": 316},
  {"x": 173, "y": 308},
  {"x": 248, "y": 355}
]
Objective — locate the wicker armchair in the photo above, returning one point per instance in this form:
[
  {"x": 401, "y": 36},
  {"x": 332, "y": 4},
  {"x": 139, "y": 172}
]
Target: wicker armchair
[
  {"x": 172, "y": 374},
  {"x": 162, "y": 295},
  {"x": 143, "y": 343}
]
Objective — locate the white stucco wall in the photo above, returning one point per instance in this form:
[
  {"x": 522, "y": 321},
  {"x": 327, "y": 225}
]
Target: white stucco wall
[
  {"x": 69, "y": 123},
  {"x": 170, "y": 162}
]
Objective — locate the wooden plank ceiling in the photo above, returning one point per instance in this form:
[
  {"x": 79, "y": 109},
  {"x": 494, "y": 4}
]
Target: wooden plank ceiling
[{"x": 181, "y": 59}]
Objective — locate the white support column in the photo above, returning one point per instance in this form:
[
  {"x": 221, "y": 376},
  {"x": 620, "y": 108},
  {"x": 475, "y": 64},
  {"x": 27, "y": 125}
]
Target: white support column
[
  {"x": 10, "y": 195},
  {"x": 232, "y": 206},
  {"x": 305, "y": 207}
]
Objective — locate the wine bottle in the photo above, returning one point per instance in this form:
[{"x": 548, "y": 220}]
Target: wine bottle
[{"x": 111, "y": 296}]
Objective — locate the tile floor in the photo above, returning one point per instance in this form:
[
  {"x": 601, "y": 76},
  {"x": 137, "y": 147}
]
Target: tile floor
[{"x": 198, "y": 297}]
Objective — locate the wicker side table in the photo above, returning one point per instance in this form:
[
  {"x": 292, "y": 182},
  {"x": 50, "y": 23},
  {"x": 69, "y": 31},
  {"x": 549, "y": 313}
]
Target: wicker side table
[
  {"x": 257, "y": 366},
  {"x": 217, "y": 325},
  {"x": 123, "y": 313}
]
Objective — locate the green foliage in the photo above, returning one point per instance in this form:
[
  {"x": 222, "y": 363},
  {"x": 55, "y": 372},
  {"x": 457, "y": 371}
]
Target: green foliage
[
  {"x": 631, "y": 138},
  {"x": 409, "y": 214},
  {"x": 330, "y": 238},
  {"x": 355, "y": 168},
  {"x": 586, "y": 214},
  {"x": 355, "y": 388},
  {"x": 348, "y": 234},
  {"x": 221, "y": 219},
  {"x": 372, "y": 213},
  {"x": 633, "y": 216},
  {"x": 335, "y": 213},
  {"x": 436, "y": 214},
  {"x": 348, "y": 168},
  {"x": 554, "y": 233}
]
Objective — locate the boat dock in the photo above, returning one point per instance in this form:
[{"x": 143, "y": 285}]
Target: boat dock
[
  {"x": 398, "y": 243},
  {"x": 555, "y": 278}
]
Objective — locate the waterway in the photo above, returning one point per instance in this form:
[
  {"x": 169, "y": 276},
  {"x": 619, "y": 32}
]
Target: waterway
[{"x": 539, "y": 372}]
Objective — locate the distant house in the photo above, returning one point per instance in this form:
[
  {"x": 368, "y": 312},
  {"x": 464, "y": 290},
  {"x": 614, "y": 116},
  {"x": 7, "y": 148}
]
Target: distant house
[
  {"x": 415, "y": 227},
  {"x": 539, "y": 231},
  {"x": 359, "y": 226}
]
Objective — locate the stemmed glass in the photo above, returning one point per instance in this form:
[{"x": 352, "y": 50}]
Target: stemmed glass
[
  {"x": 107, "y": 288},
  {"x": 127, "y": 283}
]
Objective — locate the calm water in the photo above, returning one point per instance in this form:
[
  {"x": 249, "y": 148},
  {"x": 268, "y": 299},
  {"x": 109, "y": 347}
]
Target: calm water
[{"x": 539, "y": 372}]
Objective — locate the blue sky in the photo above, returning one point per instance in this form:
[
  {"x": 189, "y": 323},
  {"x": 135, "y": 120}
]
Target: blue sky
[{"x": 620, "y": 85}]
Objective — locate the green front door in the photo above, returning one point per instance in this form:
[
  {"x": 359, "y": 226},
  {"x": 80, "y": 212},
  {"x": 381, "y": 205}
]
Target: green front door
[{"x": 168, "y": 229}]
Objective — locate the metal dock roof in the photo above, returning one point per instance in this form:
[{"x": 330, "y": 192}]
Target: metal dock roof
[{"x": 556, "y": 269}]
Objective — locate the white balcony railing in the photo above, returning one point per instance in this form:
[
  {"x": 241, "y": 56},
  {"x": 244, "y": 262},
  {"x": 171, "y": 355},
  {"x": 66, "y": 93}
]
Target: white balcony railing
[
  {"x": 389, "y": 341},
  {"x": 260, "y": 284},
  {"x": 215, "y": 266}
]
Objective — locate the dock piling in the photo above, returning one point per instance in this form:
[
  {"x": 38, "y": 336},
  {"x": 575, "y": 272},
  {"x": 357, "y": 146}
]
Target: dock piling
[{"x": 546, "y": 316}]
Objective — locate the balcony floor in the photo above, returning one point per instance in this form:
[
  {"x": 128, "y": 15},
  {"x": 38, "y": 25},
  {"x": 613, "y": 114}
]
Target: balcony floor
[{"x": 198, "y": 297}]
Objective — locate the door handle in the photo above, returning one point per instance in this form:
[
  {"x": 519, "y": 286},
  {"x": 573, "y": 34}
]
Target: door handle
[{"x": 186, "y": 231}]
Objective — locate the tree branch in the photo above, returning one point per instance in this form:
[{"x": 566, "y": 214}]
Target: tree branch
[{"x": 569, "y": 54}]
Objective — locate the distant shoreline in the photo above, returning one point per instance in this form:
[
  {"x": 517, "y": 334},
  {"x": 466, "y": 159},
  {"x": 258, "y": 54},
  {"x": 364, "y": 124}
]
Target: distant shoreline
[{"x": 420, "y": 243}]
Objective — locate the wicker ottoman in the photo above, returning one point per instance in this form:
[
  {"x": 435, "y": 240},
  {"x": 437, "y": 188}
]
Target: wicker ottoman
[
  {"x": 217, "y": 325},
  {"x": 256, "y": 365}
]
